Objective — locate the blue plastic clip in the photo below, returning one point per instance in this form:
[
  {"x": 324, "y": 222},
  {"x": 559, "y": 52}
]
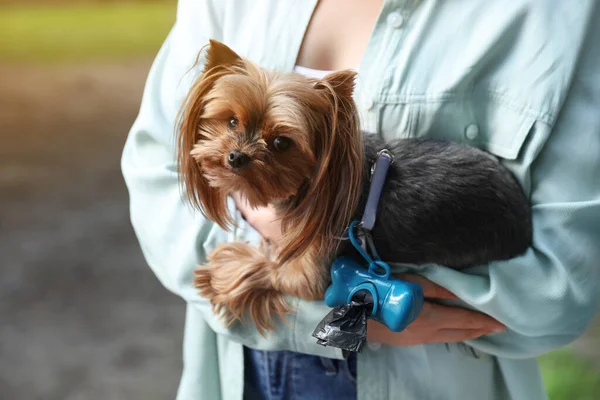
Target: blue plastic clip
[{"x": 395, "y": 303}]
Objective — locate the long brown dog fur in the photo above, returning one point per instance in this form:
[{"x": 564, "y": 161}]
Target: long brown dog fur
[{"x": 314, "y": 184}]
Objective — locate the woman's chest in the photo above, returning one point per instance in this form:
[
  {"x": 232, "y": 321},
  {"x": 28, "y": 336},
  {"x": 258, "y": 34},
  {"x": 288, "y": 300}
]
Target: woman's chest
[{"x": 481, "y": 73}]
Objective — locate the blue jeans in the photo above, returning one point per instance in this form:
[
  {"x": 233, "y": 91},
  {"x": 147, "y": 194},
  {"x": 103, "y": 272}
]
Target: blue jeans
[{"x": 285, "y": 375}]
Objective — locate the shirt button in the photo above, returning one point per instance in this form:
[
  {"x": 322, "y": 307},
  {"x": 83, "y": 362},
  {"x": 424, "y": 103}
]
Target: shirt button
[
  {"x": 471, "y": 132},
  {"x": 369, "y": 104},
  {"x": 395, "y": 20}
]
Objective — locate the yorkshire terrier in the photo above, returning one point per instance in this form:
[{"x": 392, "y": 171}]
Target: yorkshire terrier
[{"x": 293, "y": 142}]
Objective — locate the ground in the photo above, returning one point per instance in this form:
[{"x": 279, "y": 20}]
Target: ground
[{"x": 83, "y": 317}]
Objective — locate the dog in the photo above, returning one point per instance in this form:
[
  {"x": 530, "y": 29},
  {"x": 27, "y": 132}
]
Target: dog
[{"x": 295, "y": 143}]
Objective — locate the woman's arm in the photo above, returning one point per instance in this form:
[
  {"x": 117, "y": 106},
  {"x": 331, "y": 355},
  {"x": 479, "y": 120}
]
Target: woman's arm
[
  {"x": 547, "y": 297},
  {"x": 173, "y": 238}
]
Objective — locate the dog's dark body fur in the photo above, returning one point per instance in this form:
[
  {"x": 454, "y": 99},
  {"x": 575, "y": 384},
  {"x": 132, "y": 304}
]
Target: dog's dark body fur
[{"x": 445, "y": 203}]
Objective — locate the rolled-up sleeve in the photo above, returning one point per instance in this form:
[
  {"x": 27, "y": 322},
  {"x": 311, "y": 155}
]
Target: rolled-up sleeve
[
  {"x": 175, "y": 239},
  {"x": 547, "y": 297}
]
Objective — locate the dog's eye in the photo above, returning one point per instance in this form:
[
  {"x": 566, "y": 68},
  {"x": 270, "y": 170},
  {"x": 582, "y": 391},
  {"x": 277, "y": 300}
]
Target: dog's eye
[
  {"x": 233, "y": 122},
  {"x": 281, "y": 143}
]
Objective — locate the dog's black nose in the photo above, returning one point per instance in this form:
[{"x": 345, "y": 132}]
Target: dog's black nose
[{"x": 237, "y": 159}]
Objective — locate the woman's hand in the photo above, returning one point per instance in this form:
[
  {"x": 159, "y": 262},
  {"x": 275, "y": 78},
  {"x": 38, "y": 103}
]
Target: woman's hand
[
  {"x": 262, "y": 219},
  {"x": 435, "y": 324}
]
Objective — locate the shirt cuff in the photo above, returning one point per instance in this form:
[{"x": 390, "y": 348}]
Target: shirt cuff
[{"x": 308, "y": 315}]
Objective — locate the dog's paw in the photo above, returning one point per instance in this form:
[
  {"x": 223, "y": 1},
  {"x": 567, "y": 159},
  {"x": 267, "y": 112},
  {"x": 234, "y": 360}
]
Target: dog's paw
[
  {"x": 202, "y": 282},
  {"x": 238, "y": 283}
]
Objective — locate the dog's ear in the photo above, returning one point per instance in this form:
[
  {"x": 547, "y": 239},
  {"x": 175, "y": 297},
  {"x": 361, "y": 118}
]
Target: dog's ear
[
  {"x": 218, "y": 54},
  {"x": 211, "y": 201},
  {"x": 325, "y": 211},
  {"x": 341, "y": 82}
]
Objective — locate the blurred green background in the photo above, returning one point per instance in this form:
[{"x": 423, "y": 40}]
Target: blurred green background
[
  {"x": 84, "y": 31},
  {"x": 84, "y": 317}
]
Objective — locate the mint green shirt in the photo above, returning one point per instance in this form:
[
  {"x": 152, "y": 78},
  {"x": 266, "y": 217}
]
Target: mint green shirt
[{"x": 517, "y": 78}]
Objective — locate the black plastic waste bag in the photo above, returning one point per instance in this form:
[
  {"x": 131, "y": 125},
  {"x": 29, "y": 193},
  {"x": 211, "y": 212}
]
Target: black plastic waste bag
[{"x": 345, "y": 327}]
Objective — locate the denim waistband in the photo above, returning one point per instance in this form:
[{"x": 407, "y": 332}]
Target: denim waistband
[{"x": 286, "y": 375}]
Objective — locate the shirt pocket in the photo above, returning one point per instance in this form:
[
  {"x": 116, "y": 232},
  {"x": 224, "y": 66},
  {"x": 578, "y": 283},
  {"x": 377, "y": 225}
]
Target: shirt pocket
[{"x": 481, "y": 120}]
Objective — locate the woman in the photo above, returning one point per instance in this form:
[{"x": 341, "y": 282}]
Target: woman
[{"x": 518, "y": 79}]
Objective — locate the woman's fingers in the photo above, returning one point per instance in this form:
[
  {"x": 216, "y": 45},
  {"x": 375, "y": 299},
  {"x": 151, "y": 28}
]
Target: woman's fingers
[
  {"x": 263, "y": 219},
  {"x": 448, "y": 317},
  {"x": 458, "y": 335},
  {"x": 379, "y": 333},
  {"x": 436, "y": 324},
  {"x": 430, "y": 289},
  {"x": 445, "y": 316}
]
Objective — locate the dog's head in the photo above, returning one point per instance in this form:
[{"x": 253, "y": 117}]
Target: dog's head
[{"x": 273, "y": 138}]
